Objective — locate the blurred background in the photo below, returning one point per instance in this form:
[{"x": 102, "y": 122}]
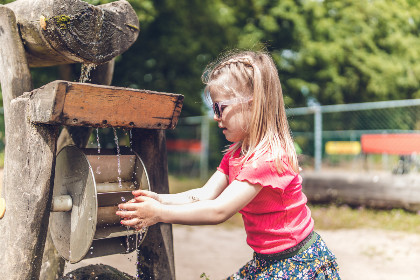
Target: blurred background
[
  {"x": 350, "y": 72},
  {"x": 327, "y": 53}
]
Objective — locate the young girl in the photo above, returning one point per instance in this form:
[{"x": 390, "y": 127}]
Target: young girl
[{"x": 258, "y": 176}]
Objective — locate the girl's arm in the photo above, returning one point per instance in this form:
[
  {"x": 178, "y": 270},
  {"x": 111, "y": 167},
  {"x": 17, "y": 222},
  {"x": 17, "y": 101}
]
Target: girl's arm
[
  {"x": 212, "y": 189},
  {"x": 146, "y": 211}
]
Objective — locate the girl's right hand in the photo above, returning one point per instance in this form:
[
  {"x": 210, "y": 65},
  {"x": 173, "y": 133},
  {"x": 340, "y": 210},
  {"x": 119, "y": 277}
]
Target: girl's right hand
[{"x": 150, "y": 194}]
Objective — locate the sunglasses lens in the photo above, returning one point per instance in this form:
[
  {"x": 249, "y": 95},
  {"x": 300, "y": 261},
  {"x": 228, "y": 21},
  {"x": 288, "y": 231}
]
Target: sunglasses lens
[{"x": 216, "y": 109}]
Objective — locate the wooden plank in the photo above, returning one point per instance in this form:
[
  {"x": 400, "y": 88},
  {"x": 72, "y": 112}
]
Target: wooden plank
[
  {"x": 79, "y": 104},
  {"x": 396, "y": 144}
]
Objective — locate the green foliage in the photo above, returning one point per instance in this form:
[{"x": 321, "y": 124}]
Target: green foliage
[
  {"x": 337, "y": 51},
  {"x": 330, "y": 51},
  {"x": 203, "y": 275}
]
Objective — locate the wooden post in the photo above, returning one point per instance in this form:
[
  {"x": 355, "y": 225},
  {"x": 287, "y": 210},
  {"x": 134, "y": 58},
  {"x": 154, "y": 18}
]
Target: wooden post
[
  {"x": 156, "y": 257},
  {"x": 29, "y": 161}
]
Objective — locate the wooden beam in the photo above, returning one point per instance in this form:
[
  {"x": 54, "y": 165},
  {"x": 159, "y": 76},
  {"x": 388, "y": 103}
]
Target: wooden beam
[
  {"x": 78, "y": 104},
  {"x": 68, "y": 31},
  {"x": 156, "y": 253}
]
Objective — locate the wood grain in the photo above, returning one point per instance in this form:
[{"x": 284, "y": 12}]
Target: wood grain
[{"x": 79, "y": 104}]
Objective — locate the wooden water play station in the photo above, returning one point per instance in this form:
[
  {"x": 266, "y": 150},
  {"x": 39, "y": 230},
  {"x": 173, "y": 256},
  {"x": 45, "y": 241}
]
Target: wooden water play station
[{"x": 52, "y": 183}]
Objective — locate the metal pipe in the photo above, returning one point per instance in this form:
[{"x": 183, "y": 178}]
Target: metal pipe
[{"x": 62, "y": 203}]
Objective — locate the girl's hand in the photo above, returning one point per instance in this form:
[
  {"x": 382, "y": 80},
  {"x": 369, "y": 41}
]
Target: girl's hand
[
  {"x": 150, "y": 194},
  {"x": 140, "y": 212}
]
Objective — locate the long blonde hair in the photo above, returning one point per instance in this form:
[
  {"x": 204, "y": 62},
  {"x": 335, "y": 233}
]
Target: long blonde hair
[{"x": 254, "y": 74}]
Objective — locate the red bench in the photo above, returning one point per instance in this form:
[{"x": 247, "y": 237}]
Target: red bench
[{"x": 396, "y": 144}]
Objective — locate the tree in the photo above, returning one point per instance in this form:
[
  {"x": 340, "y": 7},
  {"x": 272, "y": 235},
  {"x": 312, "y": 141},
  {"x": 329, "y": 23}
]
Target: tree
[{"x": 338, "y": 51}]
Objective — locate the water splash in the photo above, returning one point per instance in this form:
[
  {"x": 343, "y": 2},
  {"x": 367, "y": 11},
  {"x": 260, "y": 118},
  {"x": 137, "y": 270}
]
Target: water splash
[{"x": 85, "y": 72}]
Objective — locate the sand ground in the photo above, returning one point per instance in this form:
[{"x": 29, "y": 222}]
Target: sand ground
[{"x": 363, "y": 254}]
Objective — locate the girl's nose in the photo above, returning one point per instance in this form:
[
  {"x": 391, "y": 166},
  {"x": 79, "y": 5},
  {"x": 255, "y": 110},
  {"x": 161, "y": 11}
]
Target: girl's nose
[{"x": 216, "y": 118}]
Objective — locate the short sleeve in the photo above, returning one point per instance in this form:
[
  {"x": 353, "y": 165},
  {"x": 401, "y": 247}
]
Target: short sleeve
[
  {"x": 224, "y": 164},
  {"x": 264, "y": 173}
]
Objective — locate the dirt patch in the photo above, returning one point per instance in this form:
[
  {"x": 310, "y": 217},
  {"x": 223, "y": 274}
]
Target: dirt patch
[{"x": 219, "y": 251}]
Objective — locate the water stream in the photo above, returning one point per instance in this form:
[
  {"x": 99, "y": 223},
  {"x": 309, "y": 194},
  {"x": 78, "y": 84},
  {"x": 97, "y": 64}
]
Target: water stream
[
  {"x": 85, "y": 72},
  {"x": 118, "y": 156},
  {"x": 85, "y": 77}
]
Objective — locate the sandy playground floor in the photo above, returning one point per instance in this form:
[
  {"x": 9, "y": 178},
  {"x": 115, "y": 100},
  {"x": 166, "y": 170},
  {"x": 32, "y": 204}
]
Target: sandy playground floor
[{"x": 363, "y": 254}]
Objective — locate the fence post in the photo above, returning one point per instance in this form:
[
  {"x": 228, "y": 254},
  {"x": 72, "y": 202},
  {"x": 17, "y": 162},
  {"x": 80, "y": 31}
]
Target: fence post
[
  {"x": 318, "y": 136},
  {"x": 204, "y": 158}
]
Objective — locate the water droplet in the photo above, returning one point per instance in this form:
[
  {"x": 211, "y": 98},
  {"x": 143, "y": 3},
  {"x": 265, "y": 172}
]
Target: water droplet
[{"x": 97, "y": 140}]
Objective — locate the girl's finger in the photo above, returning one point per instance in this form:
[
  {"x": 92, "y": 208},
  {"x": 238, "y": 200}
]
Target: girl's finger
[
  {"x": 130, "y": 206},
  {"x": 131, "y": 222},
  {"x": 126, "y": 214},
  {"x": 142, "y": 192}
]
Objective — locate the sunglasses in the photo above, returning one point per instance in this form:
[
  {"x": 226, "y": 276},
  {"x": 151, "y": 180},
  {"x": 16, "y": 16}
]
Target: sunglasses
[{"x": 218, "y": 107}]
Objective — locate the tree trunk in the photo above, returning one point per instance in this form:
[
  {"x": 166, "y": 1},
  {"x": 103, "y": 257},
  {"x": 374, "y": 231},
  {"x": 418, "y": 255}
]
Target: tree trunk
[
  {"x": 29, "y": 161},
  {"x": 68, "y": 31},
  {"x": 156, "y": 256}
]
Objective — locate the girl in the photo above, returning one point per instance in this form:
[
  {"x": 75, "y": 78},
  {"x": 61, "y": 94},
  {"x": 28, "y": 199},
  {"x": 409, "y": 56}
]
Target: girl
[{"x": 258, "y": 176}]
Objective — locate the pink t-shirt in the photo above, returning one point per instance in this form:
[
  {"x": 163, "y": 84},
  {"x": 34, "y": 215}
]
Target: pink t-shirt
[{"x": 277, "y": 218}]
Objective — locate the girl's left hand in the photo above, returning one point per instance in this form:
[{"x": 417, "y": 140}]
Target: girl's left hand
[{"x": 140, "y": 212}]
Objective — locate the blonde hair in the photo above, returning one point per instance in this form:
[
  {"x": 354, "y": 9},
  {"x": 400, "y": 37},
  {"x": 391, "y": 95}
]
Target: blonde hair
[{"x": 254, "y": 74}]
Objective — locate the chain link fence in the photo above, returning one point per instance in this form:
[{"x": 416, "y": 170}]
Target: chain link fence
[
  {"x": 316, "y": 128},
  {"x": 327, "y": 137}
]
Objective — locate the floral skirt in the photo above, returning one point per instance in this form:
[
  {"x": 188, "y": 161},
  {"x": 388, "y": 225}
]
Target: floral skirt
[{"x": 316, "y": 262}]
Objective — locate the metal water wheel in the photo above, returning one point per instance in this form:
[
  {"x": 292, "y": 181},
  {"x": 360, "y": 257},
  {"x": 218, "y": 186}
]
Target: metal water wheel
[{"x": 88, "y": 186}]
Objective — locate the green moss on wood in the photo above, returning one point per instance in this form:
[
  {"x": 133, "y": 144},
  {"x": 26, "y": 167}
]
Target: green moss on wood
[
  {"x": 62, "y": 21},
  {"x": 132, "y": 26}
]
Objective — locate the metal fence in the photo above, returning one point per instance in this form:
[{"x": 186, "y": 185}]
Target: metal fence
[
  {"x": 195, "y": 146},
  {"x": 313, "y": 128}
]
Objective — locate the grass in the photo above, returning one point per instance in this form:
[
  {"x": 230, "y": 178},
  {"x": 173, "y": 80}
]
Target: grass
[
  {"x": 331, "y": 216},
  {"x": 344, "y": 217}
]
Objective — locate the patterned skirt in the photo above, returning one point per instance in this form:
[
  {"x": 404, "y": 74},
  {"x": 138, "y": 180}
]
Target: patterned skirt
[{"x": 316, "y": 262}]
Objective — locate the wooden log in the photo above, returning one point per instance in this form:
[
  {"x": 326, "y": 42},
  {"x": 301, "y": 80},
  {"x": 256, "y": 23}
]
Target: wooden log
[
  {"x": 76, "y": 104},
  {"x": 370, "y": 189},
  {"x": 67, "y": 31},
  {"x": 156, "y": 253}
]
